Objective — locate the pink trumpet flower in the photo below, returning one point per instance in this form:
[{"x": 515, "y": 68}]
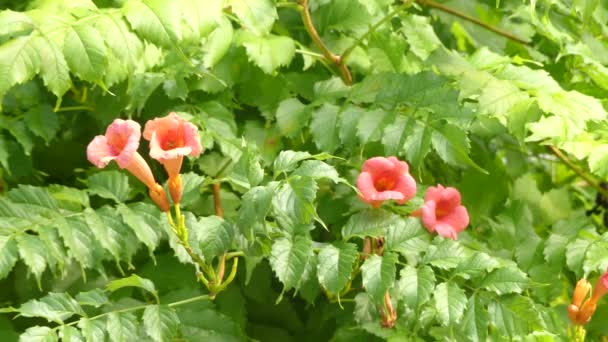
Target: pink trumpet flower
[
  {"x": 384, "y": 179},
  {"x": 120, "y": 143},
  {"x": 442, "y": 212},
  {"x": 171, "y": 138}
]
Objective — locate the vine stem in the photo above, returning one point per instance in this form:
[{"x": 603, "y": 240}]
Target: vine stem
[
  {"x": 454, "y": 12},
  {"x": 140, "y": 307},
  {"x": 314, "y": 35},
  {"x": 217, "y": 200},
  {"x": 588, "y": 178}
]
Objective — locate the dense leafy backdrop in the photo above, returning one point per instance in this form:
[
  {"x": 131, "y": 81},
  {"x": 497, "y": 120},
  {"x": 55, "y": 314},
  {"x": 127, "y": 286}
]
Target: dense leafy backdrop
[{"x": 85, "y": 254}]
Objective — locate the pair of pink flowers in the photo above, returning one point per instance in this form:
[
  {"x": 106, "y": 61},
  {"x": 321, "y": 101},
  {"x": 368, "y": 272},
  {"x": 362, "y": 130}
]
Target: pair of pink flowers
[
  {"x": 383, "y": 179},
  {"x": 581, "y": 310},
  {"x": 171, "y": 138}
]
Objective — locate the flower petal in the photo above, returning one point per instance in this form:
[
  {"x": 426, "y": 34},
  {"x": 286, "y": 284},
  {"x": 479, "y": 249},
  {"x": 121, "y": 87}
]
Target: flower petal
[
  {"x": 433, "y": 193},
  {"x": 399, "y": 166},
  {"x": 446, "y": 230},
  {"x": 192, "y": 140},
  {"x": 407, "y": 186},
  {"x": 123, "y": 137},
  {"x": 450, "y": 199},
  {"x": 428, "y": 216},
  {"x": 377, "y": 166},
  {"x": 99, "y": 153},
  {"x": 365, "y": 184},
  {"x": 458, "y": 218}
]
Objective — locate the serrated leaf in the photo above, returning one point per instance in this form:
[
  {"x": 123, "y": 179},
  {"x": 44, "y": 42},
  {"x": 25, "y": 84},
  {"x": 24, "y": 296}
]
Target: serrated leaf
[
  {"x": 323, "y": 127},
  {"x": 292, "y": 115},
  {"x": 155, "y": 20},
  {"x": 416, "y": 285},
  {"x": 420, "y": 35},
  {"x": 514, "y": 316},
  {"x": 450, "y": 302},
  {"x": 43, "y": 122},
  {"x": 14, "y": 23},
  {"x": 39, "y": 334},
  {"x": 370, "y": 222},
  {"x": 218, "y": 43},
  {"x": 406, "y": 236},
  {"x": 317, "y": 169},
  {"x": 268, "y": 52},
  {"x": 55, "y": 307},
  {"x": 335, "y": 266},
  {"x": 255, "y": 205},
  {"x": 418, "y": 144},
  {"x": 22, "y": 134},
  {"x": 77, "y": 238},
  {"x": 476, "y": 265},
  {"x": 256, "y": 16},
  {"x": 19, "y": 62},
  {"x": 132, "y": 281},
  {"x": 94, "y": 298},
  {"x": 475, "y": 321},
  {"x": 70, "y": 334},
  {"x": 53, "y": 66},
  {"x": 293, "y": 202},
  {"x": 32, "y": 252},
  {"x": 214, "y": 236},
  {"x": 575, "y": 255},
  {"x": 452, "y": 145},
  {"x": 143, "y": 219},
  {"x": 506, "y": 280},
  {"x": 113, "y": 185},
  {"x": 596, "y": 257},
  {"x": 8, "y": 255},
  {"x": 446, "y": 254},
  {"x": 289, "y": 258},
  {"x": 85, "y": 52},
  {"x": 288, "y": 160},
  {"x": 92, "y": 329},
  {"x": 122, "y": 327},
  {"x": 370, "y": 125},
  {"x": 378, "y": 274},
  {"x": 108, "y": 237}
]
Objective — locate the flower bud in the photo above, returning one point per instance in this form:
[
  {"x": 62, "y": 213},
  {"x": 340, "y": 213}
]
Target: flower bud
[
  {"x": 157, "y": 193},
  {"x": 573, "y": 312},
  {"x": 586, "y": 312},
  {"x": 580, "y": 292},
  {"x": 175, "y": 188}
]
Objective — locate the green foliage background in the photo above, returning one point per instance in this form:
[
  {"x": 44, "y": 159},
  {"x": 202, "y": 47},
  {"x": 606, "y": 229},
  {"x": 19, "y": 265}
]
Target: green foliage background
[{"x": 84, "y": 255}]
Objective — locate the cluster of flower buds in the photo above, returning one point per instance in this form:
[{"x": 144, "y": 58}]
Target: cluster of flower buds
[
  {"x": 582, "y": 308},
  {"x": 383, "y": 179},
  {"x": 171, "y": 138}
]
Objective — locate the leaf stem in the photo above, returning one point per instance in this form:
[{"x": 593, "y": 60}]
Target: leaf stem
[
  {"x": 559, "y": 154},
  {"x": 373, "y": 28},
  {"x": 75, "y": 108},
  {"x": 314, "y": 35},
  {"x": 454, "y": 12}
]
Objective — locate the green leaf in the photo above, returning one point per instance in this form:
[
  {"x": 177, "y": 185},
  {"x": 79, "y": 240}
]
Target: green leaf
[
  {"x": 191, "y": 188},
  {"x": 514, "y": 316},
  {"x": 416, "y": 285},
  {"x": 324, "y": 127},
  {"x": 85, "y": 52},
  {"x": 499, "y": 97},
  {"x": 288, "y": 259},
  {"x": 94, "y": 298},
  {"x": 317, "y": 169},
  {"x": 32, "y": 252},
  {"x": 418, "y": 144},
  {"x": 155, "y": 20},
  {"x": 218, "y": 43},
  {"x": 122, "y": 327},
  {"x": 53, "y": 67},
  {"x": 132, "y": 281},
  {"x": 14, "y": 23},
  {"x": 476, "y": 265},
  {"x": 396, "y": 134},
  {"x": 19, "y": 62},
  {"x": 39, "y": 334},
  {"x": 257, "y": 16},
  {"x": 293, "y": 202},
  {"x": 475, "y": 321},
  {"x": 288, "y": 160},
  {"x": 292, "y": 115},
  {"x": 335, "y": 266},
  {"x": 144, "y": 221},
  {"x": 43, "y": 122},
  {"x": 77, "y": 237},
  {"x": 121, "y": 41},
  {"x": 378, "y": 274},
  {"x": 269, "y": 52},
  {"x": 450, "y": 302},
  {"x": 596, "y": 257},
  {"x": 420, "y": 35},
  {"x": 506, "y": 280},
  {"x": 213, "y": 234},
  {"x": 68, "y": 333},
  {"x": 347, "y": 122},
  {"x": 370, "y": 125},
  {"x": 108, "y": 236},
  {"x": 92, "y": 329},
  {"x": 20, "y": 131},
  {"x": 369, "y": 222},
  {"x": 255, "y": 205},
  {"x": 55, "y": 307},
  {"x": 446, "y": 254},
  {"x": 8, "y": 255},
  {"x": 406, "y": 236},
  {"x": 113, "y": 185},
  {"x": 575, "y": 108},
  {"x": 452, "y": 145}
]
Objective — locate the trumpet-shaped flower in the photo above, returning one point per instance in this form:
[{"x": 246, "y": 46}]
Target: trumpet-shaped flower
[
  {"x": 120, "y": 143},
  {"x": 171, "y": 138},
  {"x": 581, "y": 310},
  {"x": 442, "y": 212},
  {"x": 383, "y": 179}
]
